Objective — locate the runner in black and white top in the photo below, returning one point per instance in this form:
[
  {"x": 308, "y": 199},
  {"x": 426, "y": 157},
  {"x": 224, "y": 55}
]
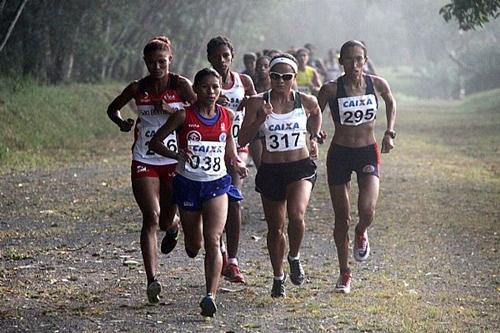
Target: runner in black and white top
[
  {"x": 287, "y": 173},
  {"x": 354, "y": 104}
]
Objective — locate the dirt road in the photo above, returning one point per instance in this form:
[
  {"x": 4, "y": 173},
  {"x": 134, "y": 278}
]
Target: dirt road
[{"x": 66, "y": 231}]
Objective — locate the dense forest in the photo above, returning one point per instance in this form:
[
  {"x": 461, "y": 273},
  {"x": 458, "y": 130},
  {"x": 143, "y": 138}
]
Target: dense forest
[{"x": 57, "y": 41}]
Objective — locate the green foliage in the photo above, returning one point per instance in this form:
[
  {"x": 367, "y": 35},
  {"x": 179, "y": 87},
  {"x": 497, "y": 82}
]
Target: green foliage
[
  {"x": 58, "y": 41},
  {"x": 471, "y": 14},
  {"x": 483, "y": 67},
  {"x": 37, "y": 117},
  {"x": 90, "y": 41}
]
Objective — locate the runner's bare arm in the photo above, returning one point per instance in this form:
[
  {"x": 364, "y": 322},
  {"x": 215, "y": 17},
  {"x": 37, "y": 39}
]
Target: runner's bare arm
[
  {"x": 248, "y": 84},
  {"x": 312, "y": 108},
  {"x": 255, "y": 115},
  {"x": 231, "y": 154},
  {"x": 156, "y": 144},
  {"x": 325, "y": 93},
  {"x": 382, "y": 86},
  {"x": 119, "y": 102},
  {"x": 186, "y": 89},
  {"x": 314, "y": 120},
  {"x": 316, "y": 82}
]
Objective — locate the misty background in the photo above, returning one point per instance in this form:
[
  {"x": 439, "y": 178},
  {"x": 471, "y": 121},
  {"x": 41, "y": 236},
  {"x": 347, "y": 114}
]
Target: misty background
[{"x": 56, "y": 41}]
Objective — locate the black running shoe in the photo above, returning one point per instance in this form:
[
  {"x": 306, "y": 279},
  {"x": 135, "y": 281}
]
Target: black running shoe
[
  {"x": 169, "y": 241},
  {"x": 296, "y": 272},
  {"x": 278, "y": 288},
  {"x": 208, "y": 307},
  {"x": 153, "y": 291}
]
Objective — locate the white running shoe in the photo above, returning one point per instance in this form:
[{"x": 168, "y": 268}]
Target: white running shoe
[{"x": 361, "y": 248}]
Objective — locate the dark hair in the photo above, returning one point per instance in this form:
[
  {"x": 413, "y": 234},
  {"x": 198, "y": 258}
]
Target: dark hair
[
  {"x": 352, "y": 43},
  {"x": 250, "y": 55},
  {"x": 203, "y": 73},
  {"x": 285, "y": 55},
  {"x": 272, "y": 51},
  {"x": 262, "y": 58},
  {"x": 158, "y": 43},
  {"x": 302, "y": 49},
  {"x": 219, "y": 41}
]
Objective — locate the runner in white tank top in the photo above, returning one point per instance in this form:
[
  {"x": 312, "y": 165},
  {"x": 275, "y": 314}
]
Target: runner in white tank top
[
  {"x": 156, "y": 95},
  {"x": 287, "y": 173},
  {"x": 235, "y": 87}
]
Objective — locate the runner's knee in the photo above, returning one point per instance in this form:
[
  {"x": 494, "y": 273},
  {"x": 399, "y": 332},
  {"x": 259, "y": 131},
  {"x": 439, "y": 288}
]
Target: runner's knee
[{"x": 151, "y": 218}]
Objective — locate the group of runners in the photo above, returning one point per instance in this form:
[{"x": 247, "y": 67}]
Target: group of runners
[{"x": 192, "y": 143}]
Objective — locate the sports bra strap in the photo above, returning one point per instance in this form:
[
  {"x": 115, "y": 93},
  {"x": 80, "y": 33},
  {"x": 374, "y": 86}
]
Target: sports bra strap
[{"x": 297, "y": 101}]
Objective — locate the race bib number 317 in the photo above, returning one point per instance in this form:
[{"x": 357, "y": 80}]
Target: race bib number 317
[{"x": 356, "y": 110}]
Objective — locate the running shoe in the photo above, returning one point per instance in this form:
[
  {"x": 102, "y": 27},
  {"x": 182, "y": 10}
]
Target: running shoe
[
  {"x": 296, "y": 272},
  {"x": 343, "y": 284},
  {"x": 278, "y": 288},
  {"x": 169, "y": 241},
  {"x": 153, "y": 291},
  {"x": 233, "y": 274},
  {"x": 208, "y": 307},
  {"x": 361, "y": 248}
]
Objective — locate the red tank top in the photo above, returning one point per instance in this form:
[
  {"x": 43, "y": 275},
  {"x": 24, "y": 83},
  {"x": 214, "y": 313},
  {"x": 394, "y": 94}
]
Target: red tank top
[{"x": 206, "y": 140}]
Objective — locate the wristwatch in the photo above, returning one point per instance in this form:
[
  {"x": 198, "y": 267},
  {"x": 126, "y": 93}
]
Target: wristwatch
[{"x": 391, "y": 133}]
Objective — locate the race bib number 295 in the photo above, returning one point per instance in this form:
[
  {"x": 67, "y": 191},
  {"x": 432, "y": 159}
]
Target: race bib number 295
[{"x": 355, "y": 110}]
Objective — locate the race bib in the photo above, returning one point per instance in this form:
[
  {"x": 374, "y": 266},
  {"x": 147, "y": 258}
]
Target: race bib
[
  {"x": 207, "y": 158},
  {"x": 285, "y": 137},
  {"x": 237, "y": 121},
  {"x": 146, "y": 134},
  {"x": 356, "y": 110}
]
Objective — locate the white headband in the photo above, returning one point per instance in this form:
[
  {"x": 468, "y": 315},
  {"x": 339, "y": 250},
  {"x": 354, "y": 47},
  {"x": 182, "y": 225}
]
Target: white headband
[{"x": 283, "y": 60}]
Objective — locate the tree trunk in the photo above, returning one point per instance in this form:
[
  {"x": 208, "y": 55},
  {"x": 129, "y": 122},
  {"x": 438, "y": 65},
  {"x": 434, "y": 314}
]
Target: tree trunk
[
  {"x": 105, "y": 58},
  {"x": 13, "y": 23}
]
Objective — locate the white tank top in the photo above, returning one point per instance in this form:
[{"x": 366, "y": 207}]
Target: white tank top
[
  {"x": 285, "y": 132},
  {"x": 235, "y": 95}
]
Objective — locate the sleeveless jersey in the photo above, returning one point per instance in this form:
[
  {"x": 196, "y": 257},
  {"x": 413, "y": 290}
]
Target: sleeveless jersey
[
  {"x": 235, "y": 94},
  {"x": 150, "y": 118},
  {"x": 354, "y": 110},
  {"x": 304, "y": 80},
  {"x": 206, "y": 140},
  {"x": 285, "y": 132}
]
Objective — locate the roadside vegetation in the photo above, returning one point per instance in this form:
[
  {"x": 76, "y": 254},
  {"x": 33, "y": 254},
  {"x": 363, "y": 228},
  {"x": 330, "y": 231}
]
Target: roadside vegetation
[{"x": 43, "y": 124}]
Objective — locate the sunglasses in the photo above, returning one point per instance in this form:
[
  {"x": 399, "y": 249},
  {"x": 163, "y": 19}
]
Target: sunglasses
[{"x": 278, "y": 76}]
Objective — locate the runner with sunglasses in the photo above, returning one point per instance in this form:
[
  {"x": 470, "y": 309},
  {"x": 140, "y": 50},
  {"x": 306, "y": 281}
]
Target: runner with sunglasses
[
  {"x": 353, "y": 102},
  {"x": 285, "y": 178},
  {"x": 235, "y": 88},
  {"x": 202, "y": 185}
]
